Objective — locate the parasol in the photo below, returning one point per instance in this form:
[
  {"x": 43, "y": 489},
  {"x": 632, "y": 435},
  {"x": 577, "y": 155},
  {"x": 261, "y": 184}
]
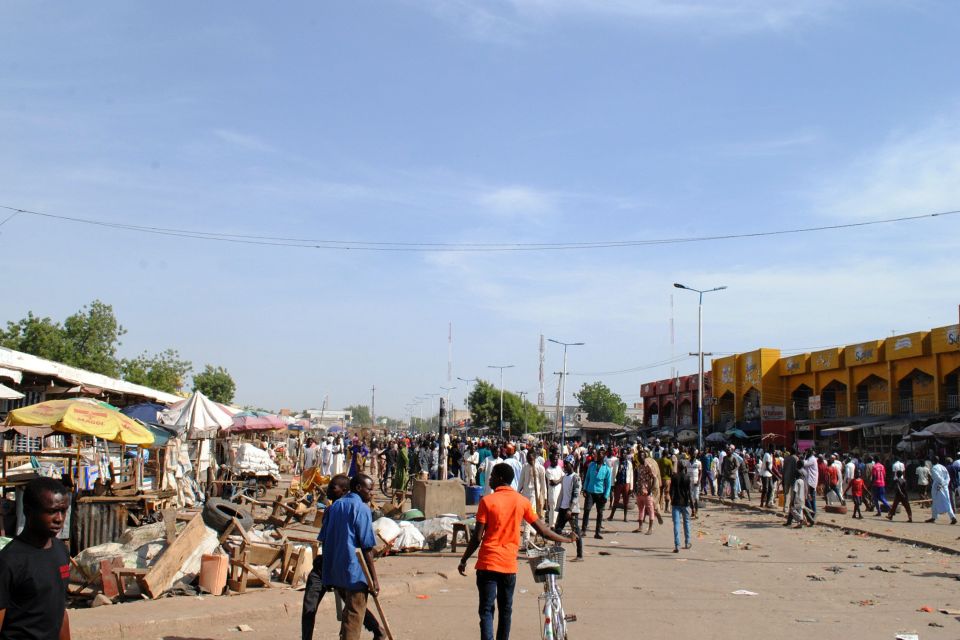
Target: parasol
[
  {"x": 6, "y": 393},
  {"x": 82, "y": 417}
]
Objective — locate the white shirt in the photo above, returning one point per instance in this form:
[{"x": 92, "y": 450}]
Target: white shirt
[
  {"x": 767, "y": 468},
  {"x": 693, "y": 471},
  {"x": 566, "y": 487},
  {"x": 898, "y": 466},
  {"x": 849, "y": 471}
]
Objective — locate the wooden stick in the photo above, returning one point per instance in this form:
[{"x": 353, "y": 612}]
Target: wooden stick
[{"x": 376, "y": 600}]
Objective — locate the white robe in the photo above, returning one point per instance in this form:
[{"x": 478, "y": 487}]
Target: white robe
[
  {"x": 326, "y": 459},
  {"x": 940, "y": 490}
]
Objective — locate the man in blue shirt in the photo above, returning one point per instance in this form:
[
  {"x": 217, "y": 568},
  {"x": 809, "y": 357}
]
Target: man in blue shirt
[
  {"x": 347, "y": 526},
  {"x": 596, "y": 486}
]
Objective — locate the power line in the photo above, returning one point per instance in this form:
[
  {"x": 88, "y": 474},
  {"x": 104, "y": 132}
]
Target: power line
[
  {"x": 652, "y": 365},
  {"x": 395, "y": 246}
]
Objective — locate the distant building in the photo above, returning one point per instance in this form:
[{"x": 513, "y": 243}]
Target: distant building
[{"x": 330, "y": 417}]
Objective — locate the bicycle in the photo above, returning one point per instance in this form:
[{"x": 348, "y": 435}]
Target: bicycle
[{"x": 547, "y": 566}]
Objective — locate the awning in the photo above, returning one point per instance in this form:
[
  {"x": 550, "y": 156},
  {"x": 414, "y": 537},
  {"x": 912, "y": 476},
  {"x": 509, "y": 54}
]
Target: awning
[
  {"x": 13, "y": 374},
  {"x": 847, "y": 429},
  {"x": 6, "y": 393}
]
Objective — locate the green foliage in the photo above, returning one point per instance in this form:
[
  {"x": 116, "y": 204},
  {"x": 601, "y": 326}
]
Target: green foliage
[
  {"x": 601, "y": 404},
  {"x": 484, "y": 405},
  {"x": 164, "y": 371},
  {"x": 215, "y": 383},
  {"x": 361, "y": 415},
  {"x": 88, "y": 339},
  {"x": 37, "y": 336}
]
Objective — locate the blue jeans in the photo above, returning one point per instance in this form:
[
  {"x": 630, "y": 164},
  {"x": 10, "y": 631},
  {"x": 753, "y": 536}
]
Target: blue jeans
[
  {"x": 495, "y": 587},
  {"x": 880, "y": 497},
  {"x": 678, "y": 514}
]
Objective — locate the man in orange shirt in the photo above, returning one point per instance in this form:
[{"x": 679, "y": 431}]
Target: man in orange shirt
[{"x": 498, "y": 535}]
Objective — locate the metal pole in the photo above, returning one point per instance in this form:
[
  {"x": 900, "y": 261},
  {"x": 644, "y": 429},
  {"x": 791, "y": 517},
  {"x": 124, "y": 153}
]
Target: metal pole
[
  {"x": 501, "y": 404},
  {"x": 700, "y": 376},
  {"x": 563, "y": 400}
]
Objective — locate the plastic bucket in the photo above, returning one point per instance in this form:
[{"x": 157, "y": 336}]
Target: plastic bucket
[{"x": 474, "y": 492}]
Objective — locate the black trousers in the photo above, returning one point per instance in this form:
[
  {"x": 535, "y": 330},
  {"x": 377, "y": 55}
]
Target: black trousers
[
  {"x": 592, "y": 499},
  {"x": 563, "y": 517},
  {"x": 313, "y": 596}
]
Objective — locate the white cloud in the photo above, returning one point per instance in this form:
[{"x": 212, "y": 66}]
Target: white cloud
[
  {"x": 517, "y": 201},
  {"x": 789, "y": 143},
  {"x": 243, "y": 140},
  {"x": 910, "y": 174},
  {"x": 507, "y": 20}
]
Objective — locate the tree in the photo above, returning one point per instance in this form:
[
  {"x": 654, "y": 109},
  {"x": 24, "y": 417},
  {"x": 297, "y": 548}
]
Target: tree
[
  {"x": 37, "y": 336},
  {"x": 93, "y": 335},
  {"x": 361, "y": 414},
  {"x": 484, "y": 405},
  {"x": 164, "y": 371},
  {"x": 601, "y": 404},
  {"x": 88, "y": 339},
  {"x": 215, "y": 383}
]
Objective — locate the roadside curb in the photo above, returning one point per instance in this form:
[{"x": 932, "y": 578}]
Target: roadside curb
[
  {"x": 180, "y": 615},
  {"x": 840, "y": 527}
]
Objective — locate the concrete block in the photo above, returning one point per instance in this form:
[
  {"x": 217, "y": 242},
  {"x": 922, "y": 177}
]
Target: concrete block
[{"x": 434, "y": 497}]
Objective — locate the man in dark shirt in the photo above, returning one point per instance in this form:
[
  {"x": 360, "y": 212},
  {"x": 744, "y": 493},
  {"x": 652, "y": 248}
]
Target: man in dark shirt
[
  {"x": 35, "y": 568},
  {"x": 348, "y": 526}
]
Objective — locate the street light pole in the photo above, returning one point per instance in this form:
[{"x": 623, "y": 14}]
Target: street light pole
[
  {"x": 700, "y": 355},
  {"x": 523, "y": 407},
  {"x": 443, "y": 441},
  {"x": 506, "y": 366},
  {"x": 563, "y": 389}
]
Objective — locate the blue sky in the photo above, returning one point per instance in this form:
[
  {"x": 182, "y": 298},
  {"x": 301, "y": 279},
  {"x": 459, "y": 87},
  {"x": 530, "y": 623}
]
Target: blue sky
[{"x": 501, "y": 121}]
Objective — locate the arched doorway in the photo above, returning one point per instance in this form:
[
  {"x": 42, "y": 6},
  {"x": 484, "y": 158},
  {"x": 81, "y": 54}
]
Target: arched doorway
[
  {"x": 652, "y": 416},
  {"x": 800, "y": 401},
  {"x": 686, "y": 412},
  {"x": 833, "y": 400},
  {"x": 667, "y": 415},
  {"x": 872, "y": 397},
  {"x": 915, "y": 393},
  {"x": 751, "y": 411},
  {"x": 727, "y": 410},
  {"x": 951, "y": 390}
]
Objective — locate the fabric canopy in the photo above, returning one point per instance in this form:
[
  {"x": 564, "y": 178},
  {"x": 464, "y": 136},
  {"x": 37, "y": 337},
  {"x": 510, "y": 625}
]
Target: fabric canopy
[
  {"x": 716, "y": 437},
  {"x": 146, "y": 412},
  {"x": 938, "y": 430},
  {"x": 6, "y": 393},
  {"x": 248, "y": 423},
  {"x": 199, "y": 417},
  {"x": 82, "y": 417}
]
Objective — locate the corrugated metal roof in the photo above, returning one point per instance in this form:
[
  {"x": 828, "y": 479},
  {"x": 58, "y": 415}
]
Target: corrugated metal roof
[{"x": 18, "y": 361}]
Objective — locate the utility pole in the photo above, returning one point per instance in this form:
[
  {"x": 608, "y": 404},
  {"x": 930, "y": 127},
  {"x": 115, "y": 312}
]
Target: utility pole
[
  {"x": 373, "y": 405},
  {"x": 523, "y": 407},
  {"x": 501, "y": 367},
  {"x": 563, "y": 389},
  {"x": 700, "y": 351},
  {"x": 559, "y": 420}
]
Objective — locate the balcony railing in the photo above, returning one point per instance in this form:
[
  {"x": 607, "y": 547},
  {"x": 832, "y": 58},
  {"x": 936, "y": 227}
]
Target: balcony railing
[
  {"x": 912, "y": 406},
  {"x": 834, "y": 411},
  {"x": 873, "y": 408},
  {"x": 953, "y": 401}
]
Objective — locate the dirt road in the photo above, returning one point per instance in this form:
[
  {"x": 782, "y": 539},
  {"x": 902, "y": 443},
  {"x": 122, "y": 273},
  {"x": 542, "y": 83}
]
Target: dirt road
[{"x": 814, "y": 581}]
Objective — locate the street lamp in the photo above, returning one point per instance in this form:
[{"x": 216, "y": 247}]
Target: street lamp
[
  {"x": 433, "y": 401},
  {"x": 506, "y": 366},
  {"x": 563, "y": 389},
  {"x": 523, "y": 407},
  {"x": 700, "y": 355}
]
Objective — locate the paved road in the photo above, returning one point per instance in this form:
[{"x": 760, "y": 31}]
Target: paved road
[{"x": 815, "y": 581}]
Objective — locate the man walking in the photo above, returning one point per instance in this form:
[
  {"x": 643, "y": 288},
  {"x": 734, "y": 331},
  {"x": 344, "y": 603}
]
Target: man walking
[
  {"x": 729, "y": 474},
  {"x": 35, "y": 568},
  {"x": 900, "y": 496},
  {"x": 348, "y": 526},
  {"x": 498, "y": 536},
  {"x": 597, "y": 485},
  {"x": 568, "y": 504},
  {"x": 879, "y": 477},
  {"x": 679, "y": 505},
  {"x": 622, "y": 470},
  {"x": 940, "y": 490}
]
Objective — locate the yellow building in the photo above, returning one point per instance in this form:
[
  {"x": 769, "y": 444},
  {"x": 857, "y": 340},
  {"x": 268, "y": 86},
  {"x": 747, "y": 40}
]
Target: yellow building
[{"x": 912, "y": 374}]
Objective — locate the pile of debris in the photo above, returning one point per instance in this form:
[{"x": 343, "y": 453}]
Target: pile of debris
[{"x": 220, "y": 548}]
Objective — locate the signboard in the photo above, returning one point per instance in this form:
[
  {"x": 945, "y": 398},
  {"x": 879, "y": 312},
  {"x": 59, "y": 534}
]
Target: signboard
[
  {"x": 946, "y": 339},
  {"x": 813, "y": 403},
  {"x": 865, "y": 353},
  {"x": 803, "y": 445},
  {"x": 825, "y": 360},
  {"x": 773, "y": 412}
]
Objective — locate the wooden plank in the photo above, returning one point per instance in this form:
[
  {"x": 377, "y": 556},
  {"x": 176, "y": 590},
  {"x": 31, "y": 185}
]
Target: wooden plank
[
  {"x": 170, "y": 524},
  {"x": 160, "y": 577}
]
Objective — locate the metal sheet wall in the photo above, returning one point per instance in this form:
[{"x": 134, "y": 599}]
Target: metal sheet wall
[{"x": 99, "y": 522}]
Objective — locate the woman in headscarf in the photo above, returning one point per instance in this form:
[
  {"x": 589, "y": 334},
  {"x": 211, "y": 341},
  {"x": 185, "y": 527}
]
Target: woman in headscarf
[{"x": 402, "y": 471}]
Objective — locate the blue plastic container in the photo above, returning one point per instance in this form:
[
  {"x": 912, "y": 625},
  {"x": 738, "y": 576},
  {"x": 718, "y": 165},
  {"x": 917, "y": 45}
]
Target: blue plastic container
[{"x": 474, "y": 492}]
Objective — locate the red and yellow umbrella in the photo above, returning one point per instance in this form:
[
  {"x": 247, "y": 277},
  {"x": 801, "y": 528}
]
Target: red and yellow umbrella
[{"x": 82, "y": 417}]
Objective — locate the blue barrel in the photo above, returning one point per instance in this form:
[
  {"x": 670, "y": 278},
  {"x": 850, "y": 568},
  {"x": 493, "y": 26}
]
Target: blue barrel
[{"x": 473, "y": 494}]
